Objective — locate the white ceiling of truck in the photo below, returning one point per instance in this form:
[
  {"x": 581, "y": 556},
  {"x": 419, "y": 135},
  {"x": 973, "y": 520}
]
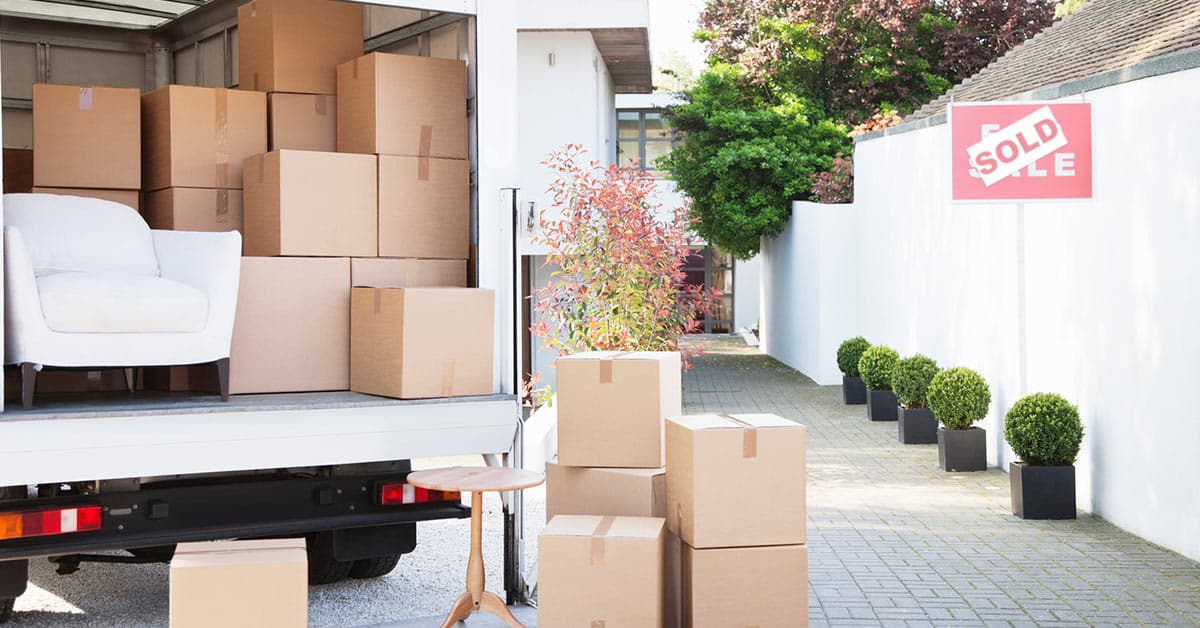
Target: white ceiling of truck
[{"x": 138, "y": 14}]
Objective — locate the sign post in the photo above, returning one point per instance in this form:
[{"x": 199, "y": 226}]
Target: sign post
[{"x": 1019, "y": 152}]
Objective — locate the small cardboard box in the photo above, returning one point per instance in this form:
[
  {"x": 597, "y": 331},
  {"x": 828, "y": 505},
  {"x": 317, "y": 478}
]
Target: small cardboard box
[
  {"x": 199, "y": 136},
  {"x": 129, "y": 198},
  {"x": 736, "y": 480},
  {"x": 404, "y": 105},
  {"x": 296, "y": 45},
  {"x": 87, "y": 137},
  {"x": 302, "y": 122},
  {"x": 292, "y": 328},
  {"x": 744, "y": 586},
  {"x": 424, "y": 207},
  {"x": 194, "y": 209},
  {"x": 601, "y": 571},
  {"x": 604, "y": 491},
  {"x": 256, "y": 584},
  {"x": 381, "y": 272},
  {"x": 300, "y": 202},
  {"x": 415, "y": 343},
  {"x": 611, "y": 407}
]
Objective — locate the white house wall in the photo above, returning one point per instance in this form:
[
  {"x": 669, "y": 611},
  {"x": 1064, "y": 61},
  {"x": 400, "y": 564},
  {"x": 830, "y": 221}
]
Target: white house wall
[{"x": 1112, "y": 290}]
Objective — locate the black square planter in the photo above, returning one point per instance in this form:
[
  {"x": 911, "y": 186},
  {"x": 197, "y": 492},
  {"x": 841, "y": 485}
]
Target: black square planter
[
  {"x": 881, "y": 405},
  {"x": 962, "y": 450},
  {"x": 854, "y": 391},
  {"x": 1042, "y": 492},
  {"x": 917, "y": 426}
]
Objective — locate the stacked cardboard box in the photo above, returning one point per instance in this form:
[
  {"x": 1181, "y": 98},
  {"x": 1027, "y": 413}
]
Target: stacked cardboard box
[
  {"x": 87, "y": 142},
  {"x": 611, "y": 408},
  {"x": 736, "y": 501}
]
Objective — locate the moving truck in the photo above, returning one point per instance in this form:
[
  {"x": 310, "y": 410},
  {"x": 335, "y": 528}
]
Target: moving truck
[{"x": 126, "y": 477}]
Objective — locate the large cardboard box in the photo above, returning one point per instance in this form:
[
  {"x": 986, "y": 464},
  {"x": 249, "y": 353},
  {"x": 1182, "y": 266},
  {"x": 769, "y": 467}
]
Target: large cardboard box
[
  {"x": 736, "y": 480},
  {"x": 199, "y": 136},
  {"x": 87, "y": 137},
  {"x": 300, "y": 202},
  {"x": 382, "y": 272},
  {"x": 129, "y": 198},
  {"x": 194, "y": 209},
  {"x": 302, "y": 122},
  {"x": 402, "y": 105},
  {"x": 413, "y": 343},
  {"x": 292, "y": 330},
  {"x": 744, "y": 586},
  {"x": 611, "y": 407},
  {"x": 296, "y": 45},
  {"x": 259, "y": 584},
  {"x": 424, "y": 207},
  {"x": 601, "y": 571},
  {"x": 604, "y": 491}
]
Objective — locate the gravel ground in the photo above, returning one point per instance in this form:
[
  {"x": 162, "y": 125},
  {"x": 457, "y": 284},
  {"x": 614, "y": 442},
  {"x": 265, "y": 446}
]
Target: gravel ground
[{"x": 419, "y": 592}]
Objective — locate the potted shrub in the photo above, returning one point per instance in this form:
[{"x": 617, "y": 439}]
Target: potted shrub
[
  {"x": 854, "y": 392},
  {"x": 959, "y": 397},
  {"x": 1044, "y": 430},
  {"x": 910, "y": 381},
  {"x": 876, "y": 366}
]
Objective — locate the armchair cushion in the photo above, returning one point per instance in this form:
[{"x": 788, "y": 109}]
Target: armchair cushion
[
  {"x": 72, "y": 233},
  {"x": 106, "y": 302}
]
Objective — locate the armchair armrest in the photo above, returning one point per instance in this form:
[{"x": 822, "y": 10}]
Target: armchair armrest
[
  {"x": 207, "y": 261},
  {"x": 23, "y": 318}
]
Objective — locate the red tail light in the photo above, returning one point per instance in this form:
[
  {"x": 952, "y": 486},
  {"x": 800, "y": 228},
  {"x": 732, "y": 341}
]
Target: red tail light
[
  {"x": 399, "y": 494},
  {"x": 17, "y": 525}
]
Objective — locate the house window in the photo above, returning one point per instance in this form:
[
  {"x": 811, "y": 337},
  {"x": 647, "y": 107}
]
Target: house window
[{"x": 643, "y": 136}]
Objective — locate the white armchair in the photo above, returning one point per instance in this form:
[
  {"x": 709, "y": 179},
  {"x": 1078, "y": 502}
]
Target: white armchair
[{"x": 88, "y": 284}]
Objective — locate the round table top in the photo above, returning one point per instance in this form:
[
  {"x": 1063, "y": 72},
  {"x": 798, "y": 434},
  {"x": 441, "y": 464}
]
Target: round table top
[{"x": 475, "y": 479}]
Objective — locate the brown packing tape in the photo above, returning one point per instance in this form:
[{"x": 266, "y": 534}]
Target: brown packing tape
[
  {"x": 606, "y": 367},
  {"x": 749, "y": 436},
  {"x": 597, "y": 623},
  {"x": 320, "y": 105},
  {"x": 86, "y": 98},
  {"x": 221, "y": 135},
  {"x": 423, "y": 152},
  {"x": 448, "y": 378},
  {"x": 598, "y": 535},
  {"x": 222, "y": 215}
]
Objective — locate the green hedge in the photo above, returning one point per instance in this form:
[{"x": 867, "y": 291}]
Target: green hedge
[
  {"x": 876, "y": 366},
  {"x": 849, "y": 353},
  {"x": 1044, "y": 429},
  {"x": 958, "y": 397},
  {"x": 910, "y": 380}
]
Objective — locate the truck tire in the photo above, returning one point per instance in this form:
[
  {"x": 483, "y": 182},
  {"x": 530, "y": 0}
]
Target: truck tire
[
  {"x": 323, "y": 568},
  {"x": 6, "y": 610},
  {"x": 374, "y": 567}
]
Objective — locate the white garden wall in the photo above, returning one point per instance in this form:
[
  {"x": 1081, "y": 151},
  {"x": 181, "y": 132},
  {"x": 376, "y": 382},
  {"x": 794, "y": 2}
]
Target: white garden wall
[{"x": 1112, "y": 294}]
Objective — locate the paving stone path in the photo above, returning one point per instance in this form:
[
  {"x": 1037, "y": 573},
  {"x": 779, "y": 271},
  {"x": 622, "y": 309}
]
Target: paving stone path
[{"x": 895, "y": 541}]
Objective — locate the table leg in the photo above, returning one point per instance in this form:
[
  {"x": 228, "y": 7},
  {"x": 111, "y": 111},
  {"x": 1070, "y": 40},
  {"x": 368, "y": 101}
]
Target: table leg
[{"x": 476, "y": 598}]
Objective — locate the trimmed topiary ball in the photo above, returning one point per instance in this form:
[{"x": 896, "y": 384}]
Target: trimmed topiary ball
[
  {"x": 849, "y": 353},
  {"x": 1044, "y": 429},
  {"x": 958, "y": 397},
  {"x": 910, "y": 380},
  {"x": 876, "y": 366}
]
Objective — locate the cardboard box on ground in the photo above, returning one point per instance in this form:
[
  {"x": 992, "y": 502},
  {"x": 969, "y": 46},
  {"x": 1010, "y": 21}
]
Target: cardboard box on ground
[
  {"x": 744, "y": 586},
  {"x": 311, "y": 203},
  {"x": 605, "y": 571},
  {"x": 413, "y": 343},
  {"x": 736, "y": 480},
  {"x": 240, "y": 583},
  {"x": 86, "y": 137},
  {"x": 611, "y": 407}
]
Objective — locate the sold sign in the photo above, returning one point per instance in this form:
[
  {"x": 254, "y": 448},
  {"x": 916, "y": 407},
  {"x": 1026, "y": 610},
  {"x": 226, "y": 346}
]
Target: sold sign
[{"x": 1021, "y": 151}]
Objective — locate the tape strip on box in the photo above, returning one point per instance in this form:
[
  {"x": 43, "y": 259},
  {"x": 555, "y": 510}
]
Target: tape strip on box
[
  {"x": 448, "y": 377},
  {"x": 749, "y": 436},
  {"x": 221, "y": 135},
  {"x": 423, "y": 150},
  {"x": 598, "y": 536}
]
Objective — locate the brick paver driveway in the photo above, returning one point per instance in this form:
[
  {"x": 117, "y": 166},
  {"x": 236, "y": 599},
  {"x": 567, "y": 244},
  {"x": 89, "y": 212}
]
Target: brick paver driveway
[{"x": 896, "y": 541}]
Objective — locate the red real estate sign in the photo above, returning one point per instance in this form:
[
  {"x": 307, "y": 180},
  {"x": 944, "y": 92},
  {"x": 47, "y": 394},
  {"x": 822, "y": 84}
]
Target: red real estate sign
[{"x": 1015, "y": 152}]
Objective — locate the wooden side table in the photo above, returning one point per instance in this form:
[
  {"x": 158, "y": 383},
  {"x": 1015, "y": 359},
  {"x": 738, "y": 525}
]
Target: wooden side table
[{"x": 476, "y": 480}]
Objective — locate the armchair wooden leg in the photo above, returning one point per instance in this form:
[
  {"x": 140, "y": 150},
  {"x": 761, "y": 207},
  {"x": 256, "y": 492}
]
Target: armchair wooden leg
[
  {"x": 28, "y": 384},
  {"x": 223, "y": 377}
]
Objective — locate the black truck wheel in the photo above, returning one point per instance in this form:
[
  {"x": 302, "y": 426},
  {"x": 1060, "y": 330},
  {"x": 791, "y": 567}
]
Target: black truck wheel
[
  {"x": 6, "y": 610},
  {"x": 374, "y": 567},
  {"x": 323, "y": 568}
]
